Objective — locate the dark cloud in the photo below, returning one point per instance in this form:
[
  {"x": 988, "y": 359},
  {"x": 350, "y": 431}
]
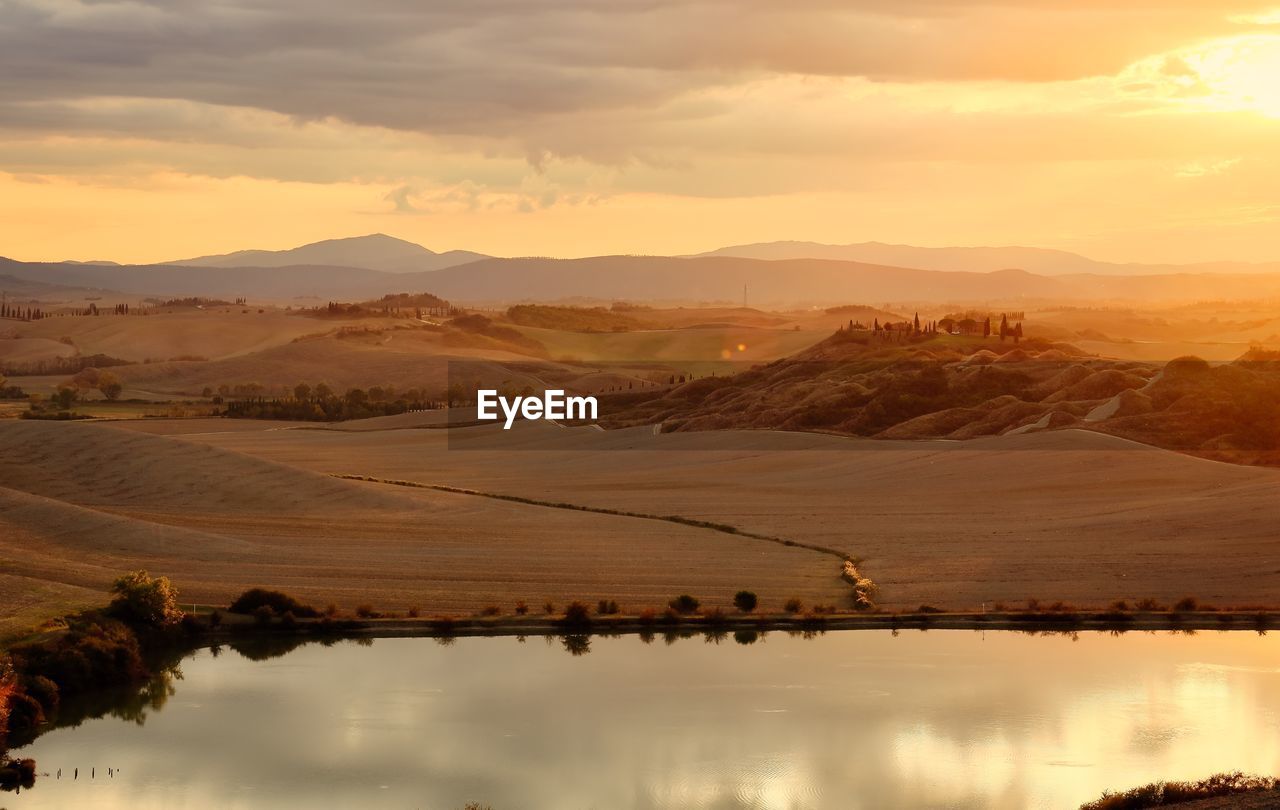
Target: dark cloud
[{"x": 492, "y": 66}]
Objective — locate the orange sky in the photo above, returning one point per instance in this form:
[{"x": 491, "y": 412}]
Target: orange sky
[{"x": 141, "y": 132}]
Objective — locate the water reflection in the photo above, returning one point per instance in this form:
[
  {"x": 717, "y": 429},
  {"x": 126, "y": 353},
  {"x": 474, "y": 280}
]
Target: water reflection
[{"x": 845, "y": 720}]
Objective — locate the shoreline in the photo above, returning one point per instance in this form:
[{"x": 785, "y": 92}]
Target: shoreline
[{"x": 234, "y": 626}]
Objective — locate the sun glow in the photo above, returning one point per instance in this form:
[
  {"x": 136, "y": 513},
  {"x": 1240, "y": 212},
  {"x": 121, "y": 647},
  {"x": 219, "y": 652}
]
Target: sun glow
[{"x": 1240, "y": 74}]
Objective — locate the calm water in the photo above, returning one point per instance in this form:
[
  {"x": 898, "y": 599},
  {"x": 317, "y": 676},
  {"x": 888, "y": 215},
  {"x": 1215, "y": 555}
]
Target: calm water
[{"x": 845, "y": 720}]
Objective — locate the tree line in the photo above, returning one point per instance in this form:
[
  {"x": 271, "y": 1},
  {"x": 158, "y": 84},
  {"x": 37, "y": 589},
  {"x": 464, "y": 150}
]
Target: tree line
[{"x": 322, "y": 404}]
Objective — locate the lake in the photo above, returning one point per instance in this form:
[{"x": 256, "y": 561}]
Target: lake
[{"x": 862, "y": 719}]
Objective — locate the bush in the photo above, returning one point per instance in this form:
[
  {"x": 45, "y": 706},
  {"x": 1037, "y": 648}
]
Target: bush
[
  {"x": 577, "y": 613},
  {"x": 1186, "y": 603},
  {"x": 549, "y": 607},
  {"x": 263, "y": 614},
  {"x": 44, "y": 691},
  {"x": 1149, "y": 604},
  {"x": 25, "y": 712},
  {"x": 415, "y": 612},
  {"x": 17, "y": 773},
  {"x": 143, "y": 599},
  {"x": 745, "y": 601},
  {"x": 607, "y": 607},
  {"x": 367, "y": 612},
  {"x": 215, "y": 619},
  {"x": 1163, "y": 794},
  {"x": 715, "y": 616},
  {"x": 684, "y": 603},
  {"x": 491, "y": 610},
  {"x": 647, "y": 616},
  {"x": 521, "y": 608},
  {"x": 793, "y": 605},
  {"x": 280, "y": 603}
]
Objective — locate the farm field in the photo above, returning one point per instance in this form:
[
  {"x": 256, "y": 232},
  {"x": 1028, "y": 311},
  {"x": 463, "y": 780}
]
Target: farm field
[{"x": 1064, "y": 515}]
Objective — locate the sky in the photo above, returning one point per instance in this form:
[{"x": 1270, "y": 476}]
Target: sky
[{"x": 151, "y": 130}]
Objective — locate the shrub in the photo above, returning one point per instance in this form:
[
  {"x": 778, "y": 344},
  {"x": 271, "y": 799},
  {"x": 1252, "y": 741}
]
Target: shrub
[
  {"x": 144, "y": 599},
  {"x": 263, "y": 614},
  {"x": 25, "y": 712},
  {"x": 17, "y": 773},
  {"x": 491, "y": 610},
  {"x": 1149, "y": 604},
  {"x": 288, "y": 619},
  {"x": 647, "y": 616},
  {"x": 215, "y": 619},
  {"x": 521, "y": 608},
  {"x": 745, "y": 601},
  {"x": 715, "y": 616},
  {"x": 44, "y": 691},
  {"x": 331, "y": 610},
  {"x": 671, "y": 616},
  {"x": 415, "y": 612},
  {"x": 1162, "y": 794},
  {"x": 607, "y": 607},
  {"x": 367, "y": 612},
  {"x": 684, "y": 603},
  {"x": 1120, "y": 606},
  {"x": 928, "y": 609},
  {"x": 549, "y": 607},
  {"x": 1186, "y": 603},
  {"x": 793, "y": 605},
  {"x": 577, "y": 613},
  {"x": 280, "y": 603}
]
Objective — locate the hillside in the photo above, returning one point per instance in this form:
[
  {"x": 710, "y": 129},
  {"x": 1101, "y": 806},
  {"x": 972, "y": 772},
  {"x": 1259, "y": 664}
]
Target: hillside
[
  {"x": 80, "y": 504},
  {"x": 373, "y": 252},
  {"x": 962, "y": 388},
  {"x": 977, "y": 259},
  {"x": 940, "y": 522},
  {"x": 717, "y": 280}
]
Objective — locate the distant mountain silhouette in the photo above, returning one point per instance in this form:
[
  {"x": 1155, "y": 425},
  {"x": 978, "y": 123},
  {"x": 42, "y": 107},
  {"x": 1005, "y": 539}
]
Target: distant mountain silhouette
[
  {"x": 977, "y": 259},
  {"x": 373, "y": 252},
  {"x": 791, "y": 282}
]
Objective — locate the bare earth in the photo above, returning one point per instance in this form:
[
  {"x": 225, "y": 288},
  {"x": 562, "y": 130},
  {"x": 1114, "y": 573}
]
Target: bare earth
[
  {"x": 81, "y": 503},
  {"x": 1068, "y": 515},
  {"x": 220, "y": 505}
]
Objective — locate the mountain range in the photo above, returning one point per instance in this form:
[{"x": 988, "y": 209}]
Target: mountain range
[
  {"x": 774, "y": 274},
  {"x": 977, "y": 259}
]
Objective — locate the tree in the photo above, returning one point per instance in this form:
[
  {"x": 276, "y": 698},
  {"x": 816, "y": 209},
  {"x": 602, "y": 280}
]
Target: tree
[
  {"x": 65, "y": 397},
  {"x": 986, "y": 328},
  {"x": 745, "y": 601},
  {"x": 110, "y": 386},
  {"x": 145, "y": 599},
  {"x": 8, "y": 685},
  {"x": 1004, "y": 327},
  {"x": 684, "y": 603},
  {"x": 302, "y": 392},
  {"x": 916, "y": 323}
]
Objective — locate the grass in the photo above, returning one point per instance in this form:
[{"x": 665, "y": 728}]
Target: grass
[{"x": 1163, "y": 794}]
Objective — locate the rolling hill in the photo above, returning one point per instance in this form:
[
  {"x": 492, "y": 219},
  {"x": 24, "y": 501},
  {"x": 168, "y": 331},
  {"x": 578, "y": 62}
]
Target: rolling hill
[
  {"x": 373, "y": 252},
  {"x": 977, "y": 259},
  {"x": 714, "y": 279}
]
